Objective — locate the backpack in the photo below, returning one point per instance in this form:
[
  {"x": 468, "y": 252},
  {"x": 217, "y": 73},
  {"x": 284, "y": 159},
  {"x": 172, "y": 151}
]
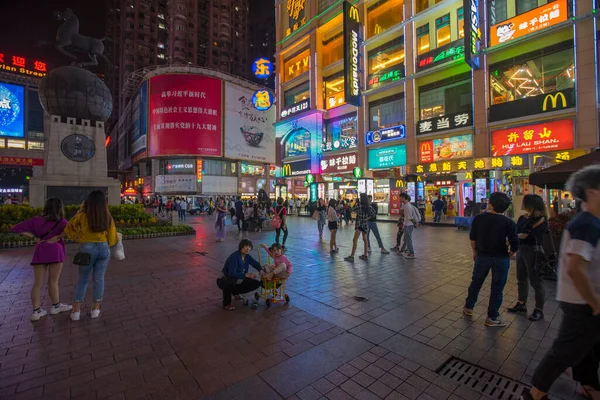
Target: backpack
[{"x": 276, "y": 220}]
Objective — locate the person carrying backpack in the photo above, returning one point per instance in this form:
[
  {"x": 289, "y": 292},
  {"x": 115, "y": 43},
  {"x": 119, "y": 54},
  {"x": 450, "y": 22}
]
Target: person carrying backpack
[{"x": 279, "y": 222}]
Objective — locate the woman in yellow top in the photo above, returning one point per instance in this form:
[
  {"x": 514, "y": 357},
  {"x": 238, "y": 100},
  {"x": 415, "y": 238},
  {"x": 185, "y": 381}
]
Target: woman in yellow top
[{"x": 94, "y": 229}]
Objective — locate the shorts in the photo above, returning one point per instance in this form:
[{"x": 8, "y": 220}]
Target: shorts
[{"x": 332, "y": 225}]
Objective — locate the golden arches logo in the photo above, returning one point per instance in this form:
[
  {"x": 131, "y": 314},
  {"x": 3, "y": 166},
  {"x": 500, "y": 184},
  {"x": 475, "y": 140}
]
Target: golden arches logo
[
  {"x": 426, "y": 146},
  {"x": 286, "y": 170},
  {"x": 399, "y": 183},
  {"x": 554, "y": 100},
  {"x": 353, "y": 13}
]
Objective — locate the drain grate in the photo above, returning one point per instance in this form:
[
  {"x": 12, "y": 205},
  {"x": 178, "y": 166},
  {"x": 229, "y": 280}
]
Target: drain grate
[{"x": 481, "y": 380}]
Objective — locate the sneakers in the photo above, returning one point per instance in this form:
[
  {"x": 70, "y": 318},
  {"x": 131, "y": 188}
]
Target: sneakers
[
  {"x": 468, "y": 312},
  {"x": 494, "y": 322},
  {"x": 409, "y": 255},
  {"x": 537, "y": 315},
  {"x": 75, "y": 316},
  {"x": 395, "y": 248},
  {"x": 364, "y": 257},
  {"x": 95, "y": 313},
  {"x": 369, "y": 250},
  {"x": 39, "y": 313},
  {"x": 519, "y": 307},
  {"x": 384, "y": 251},
  {"x": 60, "y": 308},
  {"x": 349, "y": 258}
]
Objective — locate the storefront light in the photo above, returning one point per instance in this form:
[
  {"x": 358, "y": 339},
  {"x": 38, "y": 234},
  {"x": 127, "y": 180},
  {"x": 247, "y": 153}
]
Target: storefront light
[{"x": 385, "y": 63}]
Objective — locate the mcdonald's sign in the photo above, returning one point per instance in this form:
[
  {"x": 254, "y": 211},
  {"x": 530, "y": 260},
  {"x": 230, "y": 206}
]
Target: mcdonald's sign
[
  {"x": 351, "y": 54},
  {"x": 399, "y": 183},
  {"x": 554, "y": 97},
  {"x": 295, "y": 168},
  {"x": 286, "y": 170}
]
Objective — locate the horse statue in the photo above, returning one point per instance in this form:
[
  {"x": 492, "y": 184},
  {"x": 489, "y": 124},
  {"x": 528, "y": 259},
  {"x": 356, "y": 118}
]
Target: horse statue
[{"x": 68, "y": 35}]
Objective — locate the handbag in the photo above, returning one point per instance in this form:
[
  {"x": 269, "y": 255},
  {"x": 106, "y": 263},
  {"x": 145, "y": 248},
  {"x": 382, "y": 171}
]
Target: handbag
[
  {"x": 315, "y": 215},
  {"x": 82, "y": 258},
  {"x": 118, "y": 251}
]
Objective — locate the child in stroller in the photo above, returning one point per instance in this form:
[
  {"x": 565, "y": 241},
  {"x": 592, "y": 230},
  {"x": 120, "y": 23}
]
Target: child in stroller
[{"x": 282, "y": 266}]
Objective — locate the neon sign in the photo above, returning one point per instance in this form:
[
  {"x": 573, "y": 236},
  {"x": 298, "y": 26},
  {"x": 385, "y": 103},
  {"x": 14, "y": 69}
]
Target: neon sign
[
  {"x": 351, "y": 54},
  {"x": 390, "y": 76},
  {"x": 21, "y": 65},
  {"x": 472, "y": 35},
  {"x": 262, "y": 68},
  {"x": 449, "y": 52},
  {"x": 297, "y": 15},
  {"x": 262, "y": 100}
]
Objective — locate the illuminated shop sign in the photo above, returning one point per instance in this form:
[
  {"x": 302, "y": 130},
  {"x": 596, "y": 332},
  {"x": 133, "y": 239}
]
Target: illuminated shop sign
[
  {"x": 262, "y": 68},
  {"x": 11, "y": 190},
  {"x": 386, "y": 134},
  {"x": 538, "y": 104},
  {"x": 547, "y": 136},
  {"x": 479, "y": 164},
  {"x": 342, "y": 134},
  {"x": 262, "y": 100},
  {"x": 351, "y": 54},
  {"x": 296, "y": 14},
  {"x": 447, "y": 148},
  {"x": 472, "y": 33},
  {"x": 295, "y": 168},
  {"x": 22, "y": 65},
  {"x": 386, "y": 157},
  {"x": 382, "y": 78},
  {"x": 199, "y": 170},
  {"x": 339, "y": 163},
  {"x": 19, "y": 161},
  {"x": 296, "y": 65},
  {"x": 451, "y": 51},
  {"x": 532, "y": 21},
  {"x": 295, "y": 108},
  {"x": 444, "y": 123}
]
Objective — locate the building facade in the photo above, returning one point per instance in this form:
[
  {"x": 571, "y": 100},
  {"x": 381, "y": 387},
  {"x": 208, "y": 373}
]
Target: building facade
[{"x": 454, "y": 97}]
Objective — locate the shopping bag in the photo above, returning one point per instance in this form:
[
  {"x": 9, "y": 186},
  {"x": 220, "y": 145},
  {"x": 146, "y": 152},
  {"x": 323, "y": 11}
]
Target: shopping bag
[{"x": 118, "y": 251}]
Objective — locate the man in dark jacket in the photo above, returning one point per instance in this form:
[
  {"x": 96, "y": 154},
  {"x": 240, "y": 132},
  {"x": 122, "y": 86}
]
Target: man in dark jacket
[
  {"x": 438, "y": 208},
  {"x": 236, "y": 279}
]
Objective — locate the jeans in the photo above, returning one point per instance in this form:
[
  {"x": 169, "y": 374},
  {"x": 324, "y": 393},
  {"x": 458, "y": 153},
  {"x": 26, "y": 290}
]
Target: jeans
[
  {"x": 577, "y": 345},
  {"x": 483, "y": 265},
  {"x": 399, "y": 236},
  {"x": 408, "y": 243},
  {"x": 240, "y": 220},
  {"x": 229, "y": 287},
  {"x": 373, "y": 227},
  {"x": 437, "y": 216},
  {"x": 320, "y": 225},
  {"x": 526, "y": 273},
  {"x": 422, "y": 212},
  {"x": 181, "y": 215},
  {"x": 278, "y": 232},
  {"x": 100, "y": 255}
]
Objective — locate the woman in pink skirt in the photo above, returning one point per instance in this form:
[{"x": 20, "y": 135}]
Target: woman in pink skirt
[{"x": 49, "y": 254}]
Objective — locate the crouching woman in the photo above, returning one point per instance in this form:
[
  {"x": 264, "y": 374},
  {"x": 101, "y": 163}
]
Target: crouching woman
[{"x": 236, "y": 279}]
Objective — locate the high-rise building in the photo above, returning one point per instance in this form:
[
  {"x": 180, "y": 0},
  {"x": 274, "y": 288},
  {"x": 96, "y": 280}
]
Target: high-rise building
[
  {"x": 262, "y": 35},
  {"x": 144, "y": 33}
]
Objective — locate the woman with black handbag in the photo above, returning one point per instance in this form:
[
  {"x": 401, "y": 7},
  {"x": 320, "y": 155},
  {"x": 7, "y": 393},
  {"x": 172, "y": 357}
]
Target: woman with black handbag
[
  {"x": 530, "y": 229},
  {"x": 49, "y": 254},
  {"x": 94, "y": 229}
]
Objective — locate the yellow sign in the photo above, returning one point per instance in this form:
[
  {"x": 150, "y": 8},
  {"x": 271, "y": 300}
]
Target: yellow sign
[
  {"x": 296, "y": 65},
  {"x": 420, "y": 169},
  {"x": 294, "y": 8},
  {"x": 399, "y": 183},
  {"x": 479, "y": 164},
  {"x": 354, "y": 14},
  {"x": 554, "y": 100},
  {"x": 468, "y": 175},
  {"x": 286, "y": 170}
]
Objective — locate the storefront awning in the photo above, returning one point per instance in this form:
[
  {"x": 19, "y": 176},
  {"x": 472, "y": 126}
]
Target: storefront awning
[{"x": 555, "y": 177}]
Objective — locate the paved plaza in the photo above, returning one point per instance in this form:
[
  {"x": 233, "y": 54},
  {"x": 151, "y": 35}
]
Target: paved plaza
[{"x": 164, "y": 335}]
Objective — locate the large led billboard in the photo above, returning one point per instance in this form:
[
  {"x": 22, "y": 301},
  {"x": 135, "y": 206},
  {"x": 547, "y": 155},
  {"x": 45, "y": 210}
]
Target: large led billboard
[{"x": 12, "y": 110}]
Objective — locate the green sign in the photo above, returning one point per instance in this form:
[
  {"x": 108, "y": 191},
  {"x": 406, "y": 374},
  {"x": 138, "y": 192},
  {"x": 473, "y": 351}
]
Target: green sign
[
  {"x": 357, "y": 172},
  {"x": 314, "y": 191},
  {"x": 336, "y": 179},
  {"x": 454, "y": 53},
  {"x": 387, "y": 157},
  {"x": 310, "y": 178}
]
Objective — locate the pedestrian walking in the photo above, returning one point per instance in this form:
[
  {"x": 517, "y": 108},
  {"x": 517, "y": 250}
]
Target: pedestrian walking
[
  {"x": 48, "y": 255},
  {"x": 220, "y": 220},
  {"x": 530, "y": 230},
  {"x": 438, "y": 208},
  {"x": 399, "y": 232},
  {"x": 578, "y": 342},
  {"x": 239, "y": 213},
  {"x": 332, "y": 224},
  {"x": 411, "y": 221},
  {"x": 363, "y": 212},
  {"x": 321, "y": 211},
  {"x": 489, "y": 234},
  {"x": 281, "y": 212},
  {"x": 421, "y": 207},
  {"x": 94, "y": 229},
  {"x": 373, "y": 227}
]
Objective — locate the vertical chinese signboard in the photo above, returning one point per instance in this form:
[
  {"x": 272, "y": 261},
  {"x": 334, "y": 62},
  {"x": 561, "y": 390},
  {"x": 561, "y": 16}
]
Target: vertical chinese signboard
[
  {"x": 185, "y": 116},
  {"x": 351, "y": 54},
  {"x": 472, "y": 33}
]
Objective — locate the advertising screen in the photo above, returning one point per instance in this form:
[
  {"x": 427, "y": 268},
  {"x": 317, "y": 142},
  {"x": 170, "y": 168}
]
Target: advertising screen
[
  {"x": 295, "y": 134},
  {"x": 249, "y": 133},
  {"x": 448, "y": 148},
  {"x": 12, "y": 111},
  {"x": 185, "y": 116},
  {"x": 140, "y": 120},
  {"x": 543, "y": 137},
  {"x": 386, "y": 157}
]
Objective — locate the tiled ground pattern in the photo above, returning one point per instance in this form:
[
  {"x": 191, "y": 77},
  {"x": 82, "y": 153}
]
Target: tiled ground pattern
[{"x": 162, "y": 333}]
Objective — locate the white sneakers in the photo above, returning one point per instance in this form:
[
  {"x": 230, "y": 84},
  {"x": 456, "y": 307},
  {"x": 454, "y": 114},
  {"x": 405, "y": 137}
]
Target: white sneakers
[
  {"x": 60, "y": 308},
  {"x": 75, "y": 316},
  {"x": 38, "y": 314},
  {"x": 95, "y": 313}
]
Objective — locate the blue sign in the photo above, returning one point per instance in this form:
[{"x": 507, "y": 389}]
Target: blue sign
[
  {"x": 262, "y": 100},
  {"x": 262, "y": 68},
  {"x": 387, "y": 157},
  {"x": 386, "y": 134},
  {"x": 12, "y": 111}
]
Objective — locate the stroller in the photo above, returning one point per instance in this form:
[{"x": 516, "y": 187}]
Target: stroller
[
  {"x": 273, "y": 290},
  {"x": 547, "y": 263}
]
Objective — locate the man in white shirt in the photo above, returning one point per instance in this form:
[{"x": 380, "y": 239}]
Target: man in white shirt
[{"x": 411, "y": 221}]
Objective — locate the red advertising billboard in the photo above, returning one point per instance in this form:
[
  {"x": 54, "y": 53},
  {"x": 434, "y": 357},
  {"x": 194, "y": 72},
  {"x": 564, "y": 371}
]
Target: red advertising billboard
[
  {"x": 395, "y": 203},
  {"x": 185, "y": 116},
  {"x": 543, "y": 137}
]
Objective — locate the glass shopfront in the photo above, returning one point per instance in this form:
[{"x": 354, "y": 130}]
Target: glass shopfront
[
  {"x": 334, "y": 91},
  {"x": 296, "y": 94},
  {"x": 422, "y": 5},
  {"x": 446, "y": 97},
  {"x": 386, "y": 63},
  {"x": 386, "y": 112},
  {"x": 500, "y": 10},
  {"x": 444, "y": 26},
  {"x": 333, "y": 48},
  {"x": 341, "y": 133},
  {"x": 382, "y": 15}
]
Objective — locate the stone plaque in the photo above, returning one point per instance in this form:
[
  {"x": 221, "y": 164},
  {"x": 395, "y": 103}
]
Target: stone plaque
[{"x": 78, "y": 148}]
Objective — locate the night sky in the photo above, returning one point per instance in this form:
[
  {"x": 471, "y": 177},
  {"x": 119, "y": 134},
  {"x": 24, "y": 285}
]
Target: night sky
[{"x": 24, "y": 24}]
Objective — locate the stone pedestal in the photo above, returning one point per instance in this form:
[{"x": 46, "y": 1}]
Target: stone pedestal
[{"x": 67, "y": 179}]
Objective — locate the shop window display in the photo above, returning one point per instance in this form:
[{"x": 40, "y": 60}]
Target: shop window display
[
  {"x": 333, "y": 49},
  {"x": 436, "y": 100},
  {"x": 341, "y": 133},
  {"x": 423, "y": 44},
  {"x": 297, "y": 143},
  {"x": 442, "y": 30},
  {"x": 527, "y": 77},
  {"x": 334, "y": 91},
  {"x": 387, "y": 112},
  {"x": 296, "y": 94},
  {"x": 386, "y": 63},
  {"x": 384, "y": 14}
]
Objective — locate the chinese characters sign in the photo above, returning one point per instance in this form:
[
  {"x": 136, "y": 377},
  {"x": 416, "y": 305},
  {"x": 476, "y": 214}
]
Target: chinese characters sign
[
  {"x": 386, "y": 157},
  {"x": 26, "y": 162},
  {"x": 548, "y": 136},
  {"x": 12, "y": 110},
  {"x": 262, "y": 68},
  {"x": 262, "y": 100},
  {"x": 185, "y": 116},
  {"x": 296, "y": 15},
  {"x": 385, "y": 134},
  {"x": 448, "y": 148},
  {"x": 175, "y": 183},
  {"x": 539, "y": 18},
  {"x": 479, "y": 164},
  {"x": 295, "y": 108},
  {"x": 341, "y": 134},
  {"x": 351, "y": 54},
  {"x": 199, "y": 170},
  {"x": 444, "y": 123},
  {"x": 449, "y": 52},
  {"x": 339, "y": 163},
  {"x": 381, "y": 78},
  {"x": 22, "y": 65}
]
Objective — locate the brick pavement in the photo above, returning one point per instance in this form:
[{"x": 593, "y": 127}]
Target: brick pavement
[{"x": 162, "y": 333}]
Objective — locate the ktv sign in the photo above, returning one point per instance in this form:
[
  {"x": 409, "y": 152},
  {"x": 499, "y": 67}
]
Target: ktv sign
[{"x": 351, "y": 54}]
